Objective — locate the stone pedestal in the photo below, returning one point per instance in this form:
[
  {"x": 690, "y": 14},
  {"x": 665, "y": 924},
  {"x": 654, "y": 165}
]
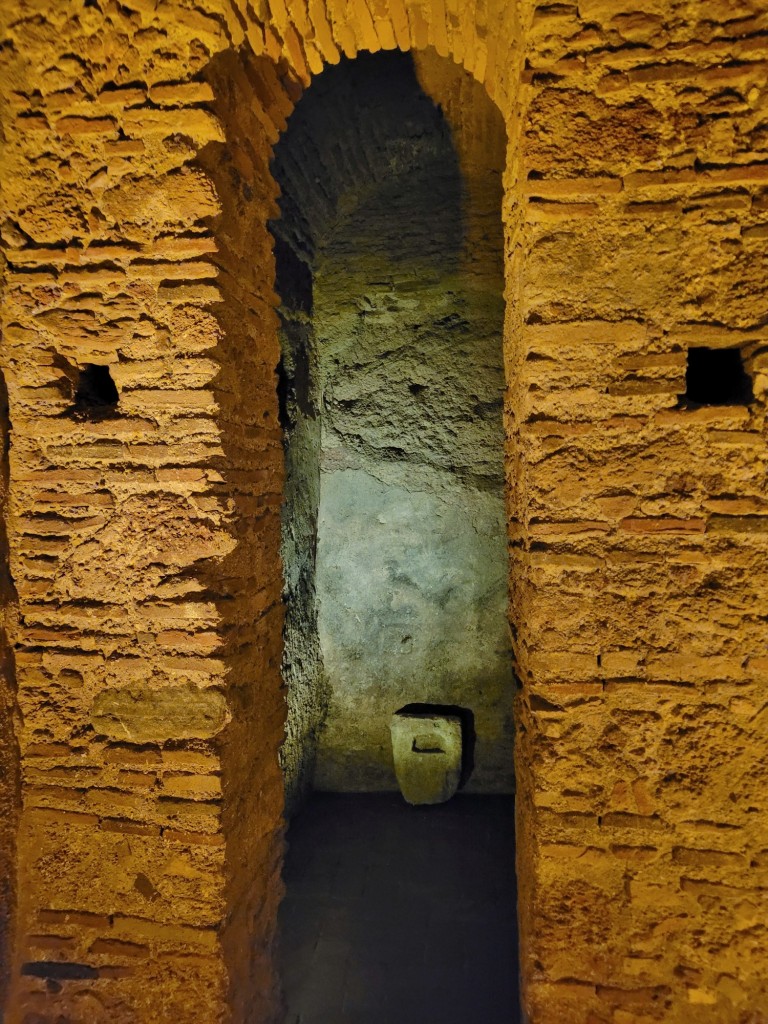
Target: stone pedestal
[{"x": 427, "y": 754}]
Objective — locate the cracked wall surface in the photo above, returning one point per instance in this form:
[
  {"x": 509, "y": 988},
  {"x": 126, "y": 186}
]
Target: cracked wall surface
[{"x": 144, "y": 545}]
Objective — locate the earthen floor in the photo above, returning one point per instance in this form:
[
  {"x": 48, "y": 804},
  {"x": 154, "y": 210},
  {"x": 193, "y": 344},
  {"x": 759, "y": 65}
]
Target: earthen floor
[{"x": 400, "y": 915}]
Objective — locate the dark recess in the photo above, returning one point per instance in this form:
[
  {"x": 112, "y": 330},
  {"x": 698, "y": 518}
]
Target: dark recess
[
  {"x": 58, "y": 970},
  {"x": 293, "y": 277},
  {"x": 716, "y": 376},
  {"x": 96, "y": 391}
]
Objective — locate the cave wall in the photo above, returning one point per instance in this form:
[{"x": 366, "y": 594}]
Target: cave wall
[
  {"x": 635, "y": 207},
  {"x": 305, "y": 684},
  {"x": 411, "y": 573}
]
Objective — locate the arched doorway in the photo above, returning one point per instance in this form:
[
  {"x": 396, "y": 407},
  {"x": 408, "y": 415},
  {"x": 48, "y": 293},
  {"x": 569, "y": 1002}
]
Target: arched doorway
[{"x": 389, "y": 266}]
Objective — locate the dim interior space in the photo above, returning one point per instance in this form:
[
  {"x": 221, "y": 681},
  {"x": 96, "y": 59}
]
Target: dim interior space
[{"x": 398, "y": 757}]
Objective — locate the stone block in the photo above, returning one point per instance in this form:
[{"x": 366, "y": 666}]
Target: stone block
[
  {"x": 143, "y": 715},
  {"x": 427, "y": 752}
]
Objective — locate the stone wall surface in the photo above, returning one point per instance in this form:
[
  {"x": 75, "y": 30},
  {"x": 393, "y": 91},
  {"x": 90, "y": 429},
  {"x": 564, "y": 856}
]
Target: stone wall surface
[
  {"x": 143, "y": 538},
  {"x": 638, "y": 579},
  {"x": 411, "y": 571},
  {"x": 143, "y": 535}
]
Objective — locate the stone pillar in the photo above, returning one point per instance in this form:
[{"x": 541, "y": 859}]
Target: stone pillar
[
  {"x": 640, "y": 592},
  {"x": 143, "y": 531}
]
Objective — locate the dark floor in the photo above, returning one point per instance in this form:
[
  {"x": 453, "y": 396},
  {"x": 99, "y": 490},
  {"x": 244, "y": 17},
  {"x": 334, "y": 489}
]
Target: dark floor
[{"x": 398, "y": 914}]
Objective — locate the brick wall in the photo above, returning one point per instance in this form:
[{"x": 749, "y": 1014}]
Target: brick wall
[
  {"x": 639, "y": 583},
  {"x": 143, "y": 538}
]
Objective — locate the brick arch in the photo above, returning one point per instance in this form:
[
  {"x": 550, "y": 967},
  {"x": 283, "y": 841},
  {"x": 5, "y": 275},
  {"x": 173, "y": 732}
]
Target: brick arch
[
  {"x": 311, "y": 34},
  {"x": 181, "y": 492},
  {"x": 141, "y": 872},
  {"x": 254, "y": 98}
]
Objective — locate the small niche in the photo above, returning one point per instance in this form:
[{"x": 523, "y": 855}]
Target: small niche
[
  {"x": 96, "y": 393},
  {"x": 716, "y": 376}
]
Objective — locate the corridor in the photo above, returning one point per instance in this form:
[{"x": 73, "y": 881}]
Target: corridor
[{"x": 400, "y": 915}]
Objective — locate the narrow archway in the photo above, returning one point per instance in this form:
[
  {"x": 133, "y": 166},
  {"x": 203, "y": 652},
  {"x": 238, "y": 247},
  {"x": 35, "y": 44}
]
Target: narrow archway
[
  {"x": 145, "y": 547},
  {"x": 389, "y": 267}
]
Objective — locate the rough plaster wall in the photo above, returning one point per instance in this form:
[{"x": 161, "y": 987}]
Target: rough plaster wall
[
  {"x": 411, "y": 571},
  {"x": 302, "y": 672}
]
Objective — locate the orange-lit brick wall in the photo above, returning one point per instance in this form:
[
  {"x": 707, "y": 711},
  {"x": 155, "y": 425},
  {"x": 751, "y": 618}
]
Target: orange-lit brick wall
[{"x": 143, "y": 537}]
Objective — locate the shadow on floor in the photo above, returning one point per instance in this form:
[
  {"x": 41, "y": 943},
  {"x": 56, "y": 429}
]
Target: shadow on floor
[{"x": 398, "y": 914}]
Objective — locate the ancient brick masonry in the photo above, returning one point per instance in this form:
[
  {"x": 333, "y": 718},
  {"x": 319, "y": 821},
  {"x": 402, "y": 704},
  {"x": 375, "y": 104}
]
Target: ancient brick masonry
[
  {"x": 143, "y": 537},
  {"x": 639, "y": 584},
  {"x": 144, "y": 543}
]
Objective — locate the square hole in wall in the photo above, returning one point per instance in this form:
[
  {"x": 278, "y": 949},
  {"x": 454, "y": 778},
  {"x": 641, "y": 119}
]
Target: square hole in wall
[
  {"x": 96, "y": 392},
  {"x": 716, "y": 376}
]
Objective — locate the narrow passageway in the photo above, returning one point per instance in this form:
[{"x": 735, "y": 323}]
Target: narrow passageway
[
  {"x": 389, "y": 268},
  {"x": 400, "y": 915}
]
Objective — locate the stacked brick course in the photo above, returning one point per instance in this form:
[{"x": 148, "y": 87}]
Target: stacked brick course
[
  {"x": 143, "y": 539},
  {"x": 639, "y": 586}
]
